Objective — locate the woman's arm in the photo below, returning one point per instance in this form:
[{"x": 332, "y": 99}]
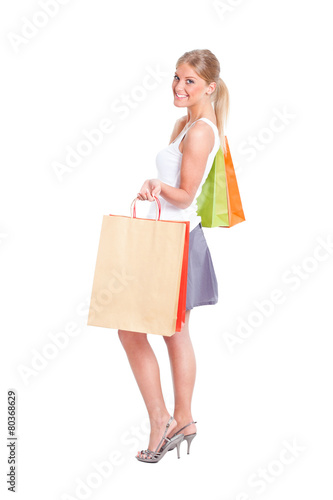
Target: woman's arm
[{"x": 197, "y": 145}]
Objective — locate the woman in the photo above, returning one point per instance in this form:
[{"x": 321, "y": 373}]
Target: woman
[{"x": 183, "y": 167}]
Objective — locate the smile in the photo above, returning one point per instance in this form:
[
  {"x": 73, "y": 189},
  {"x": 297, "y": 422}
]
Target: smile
[{"x": 180, "y": 96}]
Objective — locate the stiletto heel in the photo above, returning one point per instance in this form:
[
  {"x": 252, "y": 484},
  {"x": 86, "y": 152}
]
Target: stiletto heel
[
  {"x": 189, "y": 438},
  {"x": 178, "y": 448}
]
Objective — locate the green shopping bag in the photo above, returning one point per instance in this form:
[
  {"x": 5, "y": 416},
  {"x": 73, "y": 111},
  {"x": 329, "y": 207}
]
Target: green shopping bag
[{"x": 219, "y": 203}]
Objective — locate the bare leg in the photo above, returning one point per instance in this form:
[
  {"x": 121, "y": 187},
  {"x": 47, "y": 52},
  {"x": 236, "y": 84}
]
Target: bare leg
[
  {"x": 147, "y": 374},
  {"x": 183, "y": 368}
]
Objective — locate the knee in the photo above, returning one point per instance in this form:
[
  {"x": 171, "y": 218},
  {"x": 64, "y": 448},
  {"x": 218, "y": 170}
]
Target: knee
[
  {"x": 177, "y": 340},
  {"x": 179, "y": 337},
  {"x": 129, "y": 338},
  {"x": 172, "y": 340}
]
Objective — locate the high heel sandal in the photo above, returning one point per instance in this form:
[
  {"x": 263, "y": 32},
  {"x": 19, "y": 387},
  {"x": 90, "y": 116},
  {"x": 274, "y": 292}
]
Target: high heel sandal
[
  {"x": 189, "y": 438},
  {"x": 155, "y": 456}
]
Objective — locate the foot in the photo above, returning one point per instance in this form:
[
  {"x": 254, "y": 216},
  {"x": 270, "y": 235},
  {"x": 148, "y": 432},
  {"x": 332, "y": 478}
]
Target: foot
[
  {"x": 156, "y": 434},
  {"x": 182, "y": 421}
]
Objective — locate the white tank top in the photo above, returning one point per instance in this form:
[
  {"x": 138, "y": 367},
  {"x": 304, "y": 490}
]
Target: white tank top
[{"x": 168, "y": 163}]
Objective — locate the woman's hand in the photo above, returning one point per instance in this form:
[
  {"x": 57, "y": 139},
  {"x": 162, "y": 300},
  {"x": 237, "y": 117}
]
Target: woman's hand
[{"x": 150, "y": 188}]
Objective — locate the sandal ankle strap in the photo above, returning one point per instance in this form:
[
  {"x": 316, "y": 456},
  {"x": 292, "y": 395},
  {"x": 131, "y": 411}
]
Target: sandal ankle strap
[
  {"x": 184, "y": 428},
  {"x": 165, "y": 433}
]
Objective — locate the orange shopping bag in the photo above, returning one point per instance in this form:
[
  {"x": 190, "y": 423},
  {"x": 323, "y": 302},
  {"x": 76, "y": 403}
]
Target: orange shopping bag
[
  {"x": 140, "y": 278},
  {"x": 235, "y": 209},
  {"x": 219, "y": 203}
]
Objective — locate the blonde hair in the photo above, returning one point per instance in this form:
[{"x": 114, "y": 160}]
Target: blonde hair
[{"x": 207, "y": 66}]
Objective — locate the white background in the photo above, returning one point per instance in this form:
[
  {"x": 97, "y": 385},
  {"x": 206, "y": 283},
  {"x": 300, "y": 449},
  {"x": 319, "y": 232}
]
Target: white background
[{"x": 273, "y": 386}]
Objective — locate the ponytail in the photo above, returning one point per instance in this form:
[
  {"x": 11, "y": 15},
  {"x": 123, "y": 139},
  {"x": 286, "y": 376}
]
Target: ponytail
[{"x": 221, "y": 108}]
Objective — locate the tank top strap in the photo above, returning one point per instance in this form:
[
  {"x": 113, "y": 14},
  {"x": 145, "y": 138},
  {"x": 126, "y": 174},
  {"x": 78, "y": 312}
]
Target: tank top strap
[
  {"x": 181, "y": 135},
  {"x": 207, "y": 120}
]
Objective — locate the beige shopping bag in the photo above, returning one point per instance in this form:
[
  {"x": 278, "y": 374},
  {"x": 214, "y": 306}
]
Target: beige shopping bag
[{"x": 138, "y": 274}]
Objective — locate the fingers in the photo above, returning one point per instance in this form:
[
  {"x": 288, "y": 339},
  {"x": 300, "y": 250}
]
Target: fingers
[
  {"x": 149, "y": 196},
  {"x": 145, "y": 195}
]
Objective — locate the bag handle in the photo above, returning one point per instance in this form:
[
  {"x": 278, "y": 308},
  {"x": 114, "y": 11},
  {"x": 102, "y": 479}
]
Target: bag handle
[{"x": 158, "y": 207}]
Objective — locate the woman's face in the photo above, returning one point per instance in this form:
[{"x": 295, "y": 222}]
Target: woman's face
[{"x": 188, "y": 88}]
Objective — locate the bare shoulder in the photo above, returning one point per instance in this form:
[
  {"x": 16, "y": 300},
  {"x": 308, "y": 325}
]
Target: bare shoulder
[
  {"x": 200, "y": 136},
  {"x": 178, "y": 127}
]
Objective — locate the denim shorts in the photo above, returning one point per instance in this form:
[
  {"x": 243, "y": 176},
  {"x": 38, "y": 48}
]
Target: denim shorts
[{"x": 202, "y": 286}]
